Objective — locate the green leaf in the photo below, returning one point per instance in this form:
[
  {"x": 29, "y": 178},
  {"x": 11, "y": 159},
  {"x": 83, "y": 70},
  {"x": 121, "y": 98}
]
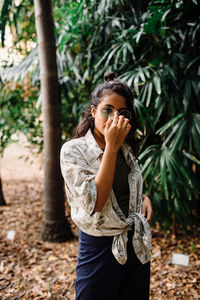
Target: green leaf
[
  {"x": 196, "y": 140},
  {"x": 150, "y": 86},
  {"x": 156, "y": 81},
  {"x": 169, "y": 124},
  {"x": 178, "y": 140},
  {"x": 191, "y": 63},
  {"x": 136, "y": 80},
  {"x": 165, "y": 15},
  {"x": 141, "y": 74},
  {"x": 138, "y": 35},
  {"x": 192, "y": 158}
]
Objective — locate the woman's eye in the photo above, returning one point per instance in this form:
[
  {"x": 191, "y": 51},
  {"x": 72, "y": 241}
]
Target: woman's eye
[{"x": 108, "y": 110}]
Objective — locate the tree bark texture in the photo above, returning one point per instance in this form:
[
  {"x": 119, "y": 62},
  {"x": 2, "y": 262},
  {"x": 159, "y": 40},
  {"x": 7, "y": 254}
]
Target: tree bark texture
[
  {"x": 55, "y": 227},
  {"x": 2, "y": 199}
]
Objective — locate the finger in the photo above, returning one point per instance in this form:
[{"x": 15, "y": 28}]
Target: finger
[
  {"x": 108, "y": 123},
  {"x": 128, "y": 128},
  {"x": 126, "y": 122},
  {"x": 144, "y": 208},
  {"x": 115, "y": 118},
  {"x": 148, "y": 214},
  {"x": 121, "y": 121},
  {"x": 145, "y": 197}
]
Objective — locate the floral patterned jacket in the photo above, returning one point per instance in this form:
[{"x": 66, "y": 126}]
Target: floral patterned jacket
[{"x": 80, "y": 161}]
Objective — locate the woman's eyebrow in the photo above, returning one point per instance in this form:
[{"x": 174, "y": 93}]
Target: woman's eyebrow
[
  {"x": 109, "y": 105},
  {"x": 122, "y": 108}
]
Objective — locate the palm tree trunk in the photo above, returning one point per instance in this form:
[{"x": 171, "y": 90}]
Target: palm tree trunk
[
  {"x": 2, "y": 199},
  {"x": 55, "y": 227}
]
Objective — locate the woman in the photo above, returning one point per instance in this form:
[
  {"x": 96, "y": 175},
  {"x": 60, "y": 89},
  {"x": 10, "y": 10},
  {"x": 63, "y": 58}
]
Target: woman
[{"x": 104, "y": 189}]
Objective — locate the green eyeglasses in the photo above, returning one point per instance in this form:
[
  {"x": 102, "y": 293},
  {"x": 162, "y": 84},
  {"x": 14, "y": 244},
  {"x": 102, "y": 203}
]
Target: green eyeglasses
[{"x": 107, "y": 112}]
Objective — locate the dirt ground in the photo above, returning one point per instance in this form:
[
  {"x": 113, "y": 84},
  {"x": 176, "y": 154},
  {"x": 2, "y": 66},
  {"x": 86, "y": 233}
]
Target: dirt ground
[{"x": 32, "y": 269}]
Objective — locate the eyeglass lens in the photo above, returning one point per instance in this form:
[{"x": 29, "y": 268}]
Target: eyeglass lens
[{"x": 107, "y": 112}]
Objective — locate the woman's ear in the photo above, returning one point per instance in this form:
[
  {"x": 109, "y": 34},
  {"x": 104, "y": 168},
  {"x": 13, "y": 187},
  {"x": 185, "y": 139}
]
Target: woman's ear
[{"x": 93, "y": 111}]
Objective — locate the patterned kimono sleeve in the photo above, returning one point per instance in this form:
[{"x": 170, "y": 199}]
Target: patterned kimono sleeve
[{"x": 79, "y": 179}]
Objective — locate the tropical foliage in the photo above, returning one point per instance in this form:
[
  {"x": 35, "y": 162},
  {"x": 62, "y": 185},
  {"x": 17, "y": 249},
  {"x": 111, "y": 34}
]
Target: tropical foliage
[
  {"x": 154, "y": 47},
  {"x": 19, "y": 113}
]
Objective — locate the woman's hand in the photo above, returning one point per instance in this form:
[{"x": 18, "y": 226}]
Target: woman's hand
[
  {"x": 115, "y": 131},
  {"x": 147, "y": 208}
]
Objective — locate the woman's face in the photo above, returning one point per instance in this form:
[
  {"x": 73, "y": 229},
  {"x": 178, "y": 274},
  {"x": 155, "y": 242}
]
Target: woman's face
[{"x": 108, "y": 105}]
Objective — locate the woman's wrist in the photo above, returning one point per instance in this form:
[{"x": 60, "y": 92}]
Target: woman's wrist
[{"x": 109, "y": 148}]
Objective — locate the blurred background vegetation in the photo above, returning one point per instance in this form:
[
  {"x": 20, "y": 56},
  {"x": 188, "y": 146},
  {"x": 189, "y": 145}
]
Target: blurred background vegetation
[{"x": 153, "y": 46}]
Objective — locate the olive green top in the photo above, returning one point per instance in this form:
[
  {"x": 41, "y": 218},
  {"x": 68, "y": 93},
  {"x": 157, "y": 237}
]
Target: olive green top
[{"x": 120, "y": 183}]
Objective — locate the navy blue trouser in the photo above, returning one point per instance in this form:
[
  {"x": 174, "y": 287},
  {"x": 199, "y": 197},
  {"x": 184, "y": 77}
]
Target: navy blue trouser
[{"x": 101, "y": 277}]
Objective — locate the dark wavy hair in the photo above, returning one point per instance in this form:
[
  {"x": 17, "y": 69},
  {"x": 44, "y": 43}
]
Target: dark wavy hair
[{"x": 111, "y": 85}]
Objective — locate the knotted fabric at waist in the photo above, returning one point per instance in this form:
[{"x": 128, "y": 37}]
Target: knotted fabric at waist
[{"x": 142, "y": 241}]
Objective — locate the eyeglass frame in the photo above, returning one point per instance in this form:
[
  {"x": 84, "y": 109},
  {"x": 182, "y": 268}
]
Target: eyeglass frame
[{"x": 120, "y": 113}]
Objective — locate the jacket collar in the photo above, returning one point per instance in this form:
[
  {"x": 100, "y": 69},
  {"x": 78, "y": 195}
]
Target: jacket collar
[{"x": 94, "y": 148}]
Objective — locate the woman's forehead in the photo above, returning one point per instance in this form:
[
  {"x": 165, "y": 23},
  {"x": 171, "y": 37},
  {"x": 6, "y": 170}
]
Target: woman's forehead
[{"x": 113, "y": 100}]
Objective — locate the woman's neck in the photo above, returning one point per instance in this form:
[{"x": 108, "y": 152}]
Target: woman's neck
[{"x": 99, "y": 137}]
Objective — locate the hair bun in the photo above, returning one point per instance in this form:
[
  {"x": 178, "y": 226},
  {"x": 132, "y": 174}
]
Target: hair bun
[{"x": 110, "y": 76}]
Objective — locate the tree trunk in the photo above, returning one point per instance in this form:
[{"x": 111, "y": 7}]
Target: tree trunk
[
  {"x": 2, "y": 200},
  {"x": 55, "y": 228}
]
